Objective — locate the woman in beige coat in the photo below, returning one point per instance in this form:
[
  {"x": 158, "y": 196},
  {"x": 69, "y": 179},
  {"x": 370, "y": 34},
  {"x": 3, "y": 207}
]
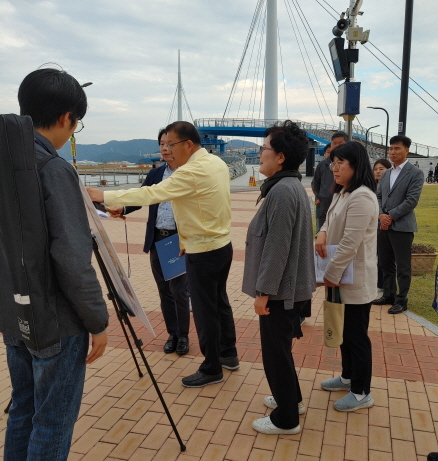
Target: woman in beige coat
[{"x": 352, "y": 225}]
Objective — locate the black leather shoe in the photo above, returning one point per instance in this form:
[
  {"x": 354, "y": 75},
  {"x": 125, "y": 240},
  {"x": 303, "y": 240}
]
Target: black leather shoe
[
  {"x": 382, "y": 301},
  {"x": 182, "y": 347},
  {"x": 170, "y": 345},
  {"x": 432, "y": 456},
  {"x": 397, "y": 308},
  {"x": 199, "y": 379},
  {"x": 230, "y": 363}
]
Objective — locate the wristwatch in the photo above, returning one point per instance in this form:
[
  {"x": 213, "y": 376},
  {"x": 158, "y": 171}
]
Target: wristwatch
[{"x": 259, "y": 293}]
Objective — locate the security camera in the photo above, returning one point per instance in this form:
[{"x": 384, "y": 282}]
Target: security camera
[{"x": 340, "y": 27}]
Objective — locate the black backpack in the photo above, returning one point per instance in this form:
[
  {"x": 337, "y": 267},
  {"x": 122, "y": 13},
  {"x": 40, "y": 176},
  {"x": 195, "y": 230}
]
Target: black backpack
[{"x": 24, "y": 234}]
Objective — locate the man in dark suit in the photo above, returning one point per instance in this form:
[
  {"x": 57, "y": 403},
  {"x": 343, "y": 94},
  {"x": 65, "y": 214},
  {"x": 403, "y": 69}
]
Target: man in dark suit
[
  {"x": 398, "y": 194},
  {"x": 174, "y": 294}
]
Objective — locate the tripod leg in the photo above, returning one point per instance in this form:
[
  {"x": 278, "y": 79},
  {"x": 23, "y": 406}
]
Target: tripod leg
[
  {"x": 122, "y": 321},
  {"x": 9, "y": 406},
  {"x": 154, "y": 382}
]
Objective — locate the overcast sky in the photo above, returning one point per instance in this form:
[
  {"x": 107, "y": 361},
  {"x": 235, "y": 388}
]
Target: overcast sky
[{"x": 128, "y": 49}]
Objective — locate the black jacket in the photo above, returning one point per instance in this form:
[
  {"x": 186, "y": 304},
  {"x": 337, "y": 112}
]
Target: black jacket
[{"x": 154, "y": 176}]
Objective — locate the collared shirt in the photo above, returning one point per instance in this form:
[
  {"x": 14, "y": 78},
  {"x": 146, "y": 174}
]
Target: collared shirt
[
  {"x": 165, "y": 219},
  {"x": 200, "y": 194},
  {"x": 395, "y": 171}
]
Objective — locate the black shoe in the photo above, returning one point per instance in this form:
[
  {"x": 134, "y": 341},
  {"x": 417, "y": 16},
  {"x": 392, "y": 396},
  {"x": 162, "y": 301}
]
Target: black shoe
[
  {"x": 182, "y": 347},
  {"x": 382, "y": 301},
  {"x": 170, "y": 345},
  {"x": 397, "y": 308},
  {"x": 230, "y": 363},
  {"x": 199, "y": 379},
  {"x": 432, "y": 456}
]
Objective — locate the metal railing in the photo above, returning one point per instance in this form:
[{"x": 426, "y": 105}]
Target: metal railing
[{"x": 321, "y": 130}]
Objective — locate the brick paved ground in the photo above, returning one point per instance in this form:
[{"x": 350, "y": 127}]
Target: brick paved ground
[{"x": 121, "y": 417}]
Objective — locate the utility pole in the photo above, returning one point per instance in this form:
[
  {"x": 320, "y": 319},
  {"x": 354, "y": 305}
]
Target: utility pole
[
  {"x": 271, "y": 70},
  {"x": 352, "y": 45},
  {"x": 404, "y": 90},
  {"x": 344, "y": 61}
]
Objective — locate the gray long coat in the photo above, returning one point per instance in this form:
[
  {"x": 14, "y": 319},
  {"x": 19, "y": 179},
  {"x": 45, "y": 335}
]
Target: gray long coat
[{"x": 279, "y": 247}]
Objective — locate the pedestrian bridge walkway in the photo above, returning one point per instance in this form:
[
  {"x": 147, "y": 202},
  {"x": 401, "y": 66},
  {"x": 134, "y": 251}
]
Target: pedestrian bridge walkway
[{"x": 122, "y": 419}]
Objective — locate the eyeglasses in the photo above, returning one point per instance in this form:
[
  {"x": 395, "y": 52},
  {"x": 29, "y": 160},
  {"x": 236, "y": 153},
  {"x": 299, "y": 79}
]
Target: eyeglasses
[
  {"x": 170, "y": 146},
  {"x": 335, "y": 165},
  {"x": 80, "y": 125},
  {"x": 262, "y": 148}
]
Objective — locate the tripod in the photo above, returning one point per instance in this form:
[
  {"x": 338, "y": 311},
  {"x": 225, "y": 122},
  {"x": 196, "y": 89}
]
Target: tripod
[{"x": 123, "y": 317}]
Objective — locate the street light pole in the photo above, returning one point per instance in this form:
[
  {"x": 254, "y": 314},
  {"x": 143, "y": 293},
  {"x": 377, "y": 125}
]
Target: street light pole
[
  {"x": 387, "y": 127},
  {"x": 404, "y": 89},
  {"x": 366, "y": 135}
]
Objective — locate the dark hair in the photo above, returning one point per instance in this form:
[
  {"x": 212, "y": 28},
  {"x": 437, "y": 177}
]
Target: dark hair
[
  {"x": 356, "y": 155},
  {"x": 400, "y": 138},
  {"x": 160, "y": 134},
  {"x": 292, "y": 141},
  {"x": 185, "y": 130},
  {"x": 47, "y": 94},
  {"x": 326, "y": 147},
  {"x": 339, "y": 134},
  {"x": 383, "y": 161}
]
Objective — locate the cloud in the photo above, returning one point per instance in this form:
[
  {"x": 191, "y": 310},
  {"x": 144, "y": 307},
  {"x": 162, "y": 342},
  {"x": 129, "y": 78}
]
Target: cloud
[{"x": 129, "y": 51}]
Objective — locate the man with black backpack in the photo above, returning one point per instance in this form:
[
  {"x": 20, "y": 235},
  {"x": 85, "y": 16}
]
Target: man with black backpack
[{"x": 47, "y": 383}]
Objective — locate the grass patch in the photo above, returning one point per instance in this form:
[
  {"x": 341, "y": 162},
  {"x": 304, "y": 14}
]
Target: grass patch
[{"x": 423, "y": 286}]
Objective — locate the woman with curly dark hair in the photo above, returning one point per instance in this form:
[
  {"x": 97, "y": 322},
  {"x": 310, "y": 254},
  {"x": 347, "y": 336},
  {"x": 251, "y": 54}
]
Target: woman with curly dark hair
[{"x": 279, "y": 270}]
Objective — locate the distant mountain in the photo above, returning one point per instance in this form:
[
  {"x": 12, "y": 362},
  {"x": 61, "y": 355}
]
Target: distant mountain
[
  {"x": 240, "y": 143},
  {"x": 130, "y": 151}
]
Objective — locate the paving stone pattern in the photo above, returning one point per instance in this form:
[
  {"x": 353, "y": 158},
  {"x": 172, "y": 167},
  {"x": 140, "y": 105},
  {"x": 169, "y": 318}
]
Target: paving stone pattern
[{"x": 122, "y": 418}]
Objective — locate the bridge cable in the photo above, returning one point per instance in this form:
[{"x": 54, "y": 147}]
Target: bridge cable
[
  {"x": 248, "y": 39},
  {"x": 187, "y": 103},
  {"x": 256, "y": 71},
  {"x": 282, "y": 70},
  {"x": 262, "y": 41},
  {"x": 249, "y": 65},
  {"x": 311, "y": 65},
  {"x": 172, "y": 106},
  {"x": 303, "y": 16},
  {"x": 328, "y": 4}
]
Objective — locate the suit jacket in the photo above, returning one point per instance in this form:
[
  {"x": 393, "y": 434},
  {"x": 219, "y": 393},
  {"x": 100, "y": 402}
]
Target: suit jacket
[
  {"x": 351, "y": 224},
  {"x": 154, "y": 176},
  {"x": 400, "y": 201},
  {"x": 279, "y": 247}
]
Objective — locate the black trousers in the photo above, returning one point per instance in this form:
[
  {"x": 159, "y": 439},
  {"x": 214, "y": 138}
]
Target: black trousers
[
  {"x": 276, "y": 333},
  {"x": 207, "y": 275},
  {"x": 394, "y": 250},
  {"x": 174, "y": 296},
  {"x": 324, "y": 205},
  {"x": 356, "y": 348}
]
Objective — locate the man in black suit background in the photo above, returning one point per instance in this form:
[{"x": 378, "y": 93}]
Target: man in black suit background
[
  {"x": 398, "y": 194},
  {"x": 174, "y": 294}
]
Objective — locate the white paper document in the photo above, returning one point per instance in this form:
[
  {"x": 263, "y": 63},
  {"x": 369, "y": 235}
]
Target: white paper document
[{"x": 321, "y": 265}]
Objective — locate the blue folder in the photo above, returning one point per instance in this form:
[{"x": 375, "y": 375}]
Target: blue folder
[{"x": 172, "y": 264}]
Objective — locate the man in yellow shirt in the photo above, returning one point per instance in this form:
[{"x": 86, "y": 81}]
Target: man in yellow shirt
[{"x": 200, "y": 193}]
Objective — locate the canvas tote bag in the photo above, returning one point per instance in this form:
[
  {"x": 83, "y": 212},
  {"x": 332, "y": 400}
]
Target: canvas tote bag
[{"x": 333, "y": 318}]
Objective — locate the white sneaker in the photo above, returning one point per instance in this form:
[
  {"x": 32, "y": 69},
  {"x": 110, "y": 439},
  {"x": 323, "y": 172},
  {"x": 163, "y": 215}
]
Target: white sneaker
[
  {"x": 265, "y": 426},
  {"x": 271, "y": 403}
]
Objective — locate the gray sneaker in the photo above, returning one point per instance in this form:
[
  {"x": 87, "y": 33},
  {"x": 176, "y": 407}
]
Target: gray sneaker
[
  {"x": 230, "y": 363},
  {"x": 350, "y": 403},
  {"x": 335, "y": 384}
]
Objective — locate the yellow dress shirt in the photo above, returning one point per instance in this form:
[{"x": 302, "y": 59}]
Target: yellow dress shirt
[{"x": 200, "y": 195}]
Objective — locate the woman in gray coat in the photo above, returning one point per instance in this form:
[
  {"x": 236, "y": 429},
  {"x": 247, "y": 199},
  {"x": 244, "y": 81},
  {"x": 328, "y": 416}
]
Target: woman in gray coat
[{"x": 279, "y": 270}]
